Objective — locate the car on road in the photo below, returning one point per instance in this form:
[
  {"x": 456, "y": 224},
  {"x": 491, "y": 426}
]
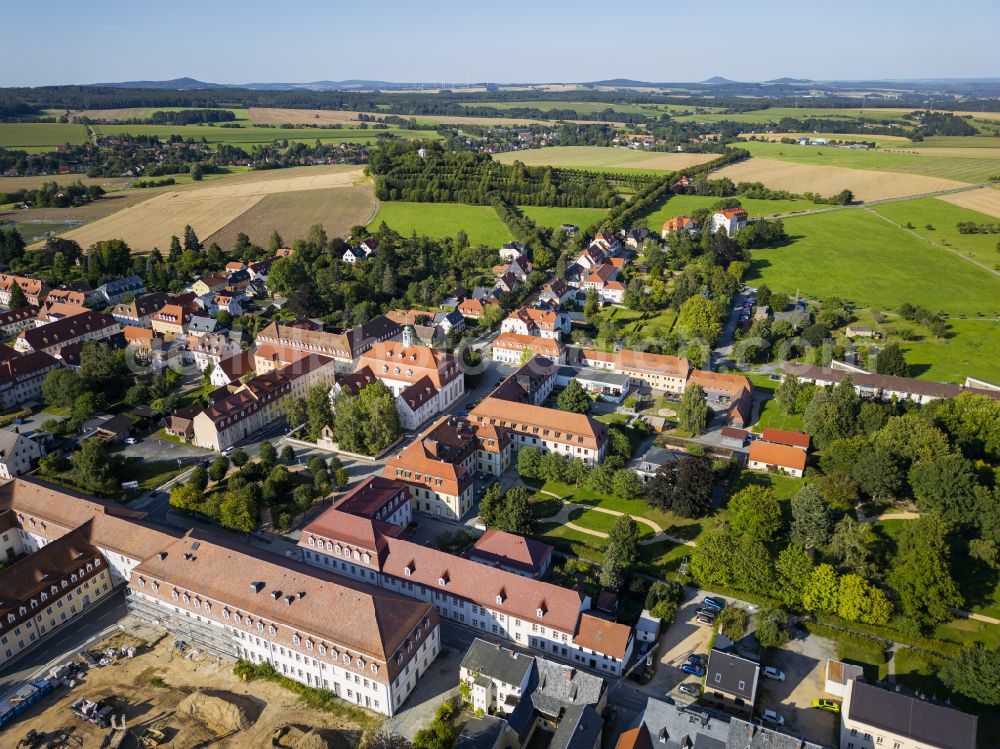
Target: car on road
[
  {"x": 714, "y": 602},
  {"x": 692, "y": 690},
  {"x": 130, "y": 440},
  {"x": 694, "y": 670},
  {"x": 770, "y": 672},
  {"x": 829, "y": 705},
  {"x": 773, "y": 718},
  {"x": 228, "y": 451}
]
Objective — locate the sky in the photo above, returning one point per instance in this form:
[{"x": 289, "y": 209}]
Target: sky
[{"x": 543, "y": 41}]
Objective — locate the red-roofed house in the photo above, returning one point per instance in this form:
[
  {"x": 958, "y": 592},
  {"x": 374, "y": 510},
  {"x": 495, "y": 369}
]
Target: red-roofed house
[
  {"x": 765, "y": 456},
  {"x": 679, "y": 224},
  {"x": 729, "y": 219},
  {"x": 793, "y": 439},
  {"x": 508, "y": 551}
]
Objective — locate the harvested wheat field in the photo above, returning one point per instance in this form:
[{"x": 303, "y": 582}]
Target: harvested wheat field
[
  {"x": 985, "y": 200},
  {"x": 866, "y": 184},
  {"x": 598, "y": 157},
  {"x": 207, "y": 207},
  {"x": 195, "y": 700},
  {"x": 12, "y": 184},
  {"x": 337, "y": 209}
]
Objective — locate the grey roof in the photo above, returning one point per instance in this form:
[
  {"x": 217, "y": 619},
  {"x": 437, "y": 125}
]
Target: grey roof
[
  {"x": 658, "y": 456},
  {"x": 122, "y": 285},
  {"x": 919, "y": 721},
  {"x": 580, "y": 728},
  {"x": 496, "y": 662},
  {"x": 480, "y": 733},
  {"x": 202, "y": 324},
  {"x": 727, "y": 671},
  {"x": 600, "y": 376},
  {"x": 744, "y": 735},
  {"x": 560, "y": 686},
  {"x": 673, "y": 726}
]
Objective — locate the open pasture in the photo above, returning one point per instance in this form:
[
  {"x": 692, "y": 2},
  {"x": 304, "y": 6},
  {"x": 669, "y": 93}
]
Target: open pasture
[
  {"x": 869, "y": 262},
  {"x": 250, "y": 136},
  {"x": 599, "y": 158},
  {"x": 774, "y": 114},
  {"x": 971, "y": 347},
  {"x": 555, "y": 217},
  {"x": 581, "y": 107},
  {"x": 867, "y": 184},
  {"x": 40, "y": 136},
  {"x": 480, "y": 223},
  {"x": 936, "y": 220},
  {"x": 976, "y": 167},
  {"x": 208, "y": 208},
  {"x": 292, "y": 213}
]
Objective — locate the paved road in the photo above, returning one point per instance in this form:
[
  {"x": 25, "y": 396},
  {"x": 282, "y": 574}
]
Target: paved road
[
  {"x": 64, "y": 643},
  {"x": 724, "y": 348}
]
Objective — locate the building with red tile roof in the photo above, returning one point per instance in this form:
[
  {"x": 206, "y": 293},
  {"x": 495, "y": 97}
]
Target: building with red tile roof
[
  {"x": 52, "y": 337},
  {"x": 512, "y": 348},
  {"x": 679, "y": 224},
  {"x": 766, "y": 456},
  {"x": 794, "y": 439},
  {"x": 513, "y": 553},
  {"x": 730, "y": 220}
]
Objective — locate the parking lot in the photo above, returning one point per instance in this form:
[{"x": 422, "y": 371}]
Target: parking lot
[{"x": 683, "y": 638}]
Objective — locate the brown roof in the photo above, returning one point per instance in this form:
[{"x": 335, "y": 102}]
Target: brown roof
[
  {"x": 237, "y": 365},
  {"x": 25, "y": 366},
  {"x": 10, "y": 316},
  {"x": 535, "y": 318},
  {"x": 640, "y": 361},
  {"x": 142, "y": 306},
  {"x": 771, "y": 453},
  {"x": 172, "y": 313},
  {"x": 734, "y": 433},
  {"x": 296, "y": 599},
  {"x": 373, "y": 495},
  {"x": 55, "y": 333},
  {"x": 30, "y": 286},
  {"x": 395, "y": 361},
  {"x": 56, "y": 511},
  {"x": 510, "y": 550},
  {"x": 436, "y": 455},
  {"x": 344, "y": 345},
  {"x": 715, "y": 382},
  {"x": 636, "y": 738},
  {"x": 603, "y": 636},
  {"x": 66, "y": 296},
  {"x": 420, "y": 392},
  {"x": 547, "y": 423},
  {"x": 518, "y": 342},
  {"x": 133, "y": 334},
  {"x": 926, "y": 388},
  {"x": 795, "y": 439}
]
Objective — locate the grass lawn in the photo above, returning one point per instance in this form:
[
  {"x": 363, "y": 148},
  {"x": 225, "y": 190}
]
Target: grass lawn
[
  {"x": 772, "y": 416},
  {"x": 602, "y": 522},
  {"x": 944, "y": 217},
  {"x": 918, "y": 671},
  {"x": 970, "y": 347},
  {"x": 961, "y": 166},
  {"x": 152, "y": 474},
  {"x": 783, "y": 486},
  {"x": 555, "y": 217},
  {"x": 679, "y": 205},
  {"x": 40, "y": 136},
  {"x": 657, "y": 559},
  {"x": 642, "y": 323},
  {"x": 480, "y": 223},
  {"x": 582, "y": 107},
  {"x": 871, "y": 263}
]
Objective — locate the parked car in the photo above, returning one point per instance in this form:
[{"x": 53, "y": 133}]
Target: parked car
[
  {"x": 828, "y": 705},
  {"x": 697, "y": 659},
  {"x": 130, "y": 440},
  {"x": 693, "y": 669},
  {"x": 773, "y": 718},
  {"x": 771, "y": 672},
  {"x": 706, "y": 612},
  {"x": 692, "y": 690},
  {"x": 705, "y": 619},
  {"x": 714, "y": 602}
]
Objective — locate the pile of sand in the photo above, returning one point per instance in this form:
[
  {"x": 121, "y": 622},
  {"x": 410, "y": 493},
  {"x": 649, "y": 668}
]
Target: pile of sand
[{"x": 220, "y": 712}]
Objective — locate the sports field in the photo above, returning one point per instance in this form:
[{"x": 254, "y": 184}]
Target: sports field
[
  {"x": 871, "y": 263},
  {"x": 936, "y": 220},
  {"x": 607, "y": 159},
  {"x": 292, "y": 213},
  {"x": 961, "y": 165},
  {"x": 249, "y": 135},
  {"x": 555, "y": 217},
  {"x": 40, "y": 136},
  {"x": 480, "y": 223},
  {"x": 208, "y": 208},
  {"x": 679, "y": 205},
  {"x": 866, "y": 184}
]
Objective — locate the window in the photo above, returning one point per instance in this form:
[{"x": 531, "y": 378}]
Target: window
[{"x": 718, "y": 678}]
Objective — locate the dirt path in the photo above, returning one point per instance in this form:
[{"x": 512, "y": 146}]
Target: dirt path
[
  {"x": 563, "y": 517},
  {"x": 976, "y": 617}
]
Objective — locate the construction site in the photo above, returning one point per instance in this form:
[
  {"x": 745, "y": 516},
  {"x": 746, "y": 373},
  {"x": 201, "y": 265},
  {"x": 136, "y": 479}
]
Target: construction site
[{"x": 153, "y": 691}]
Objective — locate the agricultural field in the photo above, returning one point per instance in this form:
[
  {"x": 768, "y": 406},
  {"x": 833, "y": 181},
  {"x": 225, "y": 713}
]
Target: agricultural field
[
  {"x": 583, "y": 107},
  {"x": 936, "y": 219},
  {"x": 764, "y": 116},
  {"x": 600, "y": 158},
  {"x": 954, "y": 164},
  {"x": 555, "y": 217},
  {"x": 870, "y": 262},
  {"x": 40, "y": 136},
  {"x": 985, "y": 200},
  {"x": 679, "y": 205},
  {"x": 249, "y": 136},
  {"x": 881, "y": 140},
  {"x": 480, "y": 223},
  {"x": 866, "y": 184},
  {"x": 336, "y": 208},
  {"x": 13, "y": 184},
  {"x": 131, "y": 113},
  {"x": 208, "y": 208},
  {"x": 274, "y": 116}
]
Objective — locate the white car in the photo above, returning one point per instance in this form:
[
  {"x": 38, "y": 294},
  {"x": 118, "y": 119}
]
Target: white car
[
  {"x": 772, "y": 717},
  {"x": 771, "y": 672},
  {"x": 130, "y": 440}
]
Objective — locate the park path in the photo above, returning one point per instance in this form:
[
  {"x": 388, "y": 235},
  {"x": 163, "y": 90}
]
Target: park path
[
  {"x": 976, "y": 617},
  {"x": 563, "y": 517}
]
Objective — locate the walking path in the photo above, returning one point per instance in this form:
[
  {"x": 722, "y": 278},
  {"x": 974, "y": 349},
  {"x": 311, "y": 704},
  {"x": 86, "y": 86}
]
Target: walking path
[
  {"x": 900, "y": 515},
  {"x": 563, "y": 517},
  {"x": 976, "y": 617}
]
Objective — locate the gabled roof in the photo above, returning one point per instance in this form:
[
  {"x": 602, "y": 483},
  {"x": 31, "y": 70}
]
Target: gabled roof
[
  {"x": 794, "y": 439},
  {"x": 497, "y": 662},
  {"x": 771, "y": 453},
  {"x": 510, "y": 550},
  {"x": 921, "y": 722},
  {"x": 55, "y": 333},
  {"x": 603, "y": 636}
]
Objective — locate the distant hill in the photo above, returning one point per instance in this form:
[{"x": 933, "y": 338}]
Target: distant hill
[
  {"x": 718, "y": 79},
  {"x": 177, "y": 84},
  {"x": 790, "y": 80}
]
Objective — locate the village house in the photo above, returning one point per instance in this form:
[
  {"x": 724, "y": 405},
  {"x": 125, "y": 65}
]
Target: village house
[
  {"x": 232, "y": 369},
  {"x": 212, "y": 348},
  {"x": 512, "y": 251},
  {"x": 14, "y": 321},
  {"x": 556, "y": 292},
  {"x": 472, "y": 308},
  {"x": 772, "y": 456},
  {"x": 18, "y": 453},
  {"x": 140, "y": 340},
  {"x": 22, "y": 375},
  {"x": 782, "y": 437},
  {"x": 171, "y": 321},
  {"x": 535, "y": 322},
  {"x": 343, "y": 347},
  {"x": 139, "y": 312},
  {"x": 52, "y": 311},
  {"x": 658, "y": 372},
  {"x": 730, "y": 220},
  {"x": 679, "y": 224},
  {"x": 732, "y": 678},
  {"x": 115, "y": 292},
  {"x": 35, "y": 291},
  {"x": 362, "y": 252},
  {"x": 66, "y": 296},
  {"x": 209, "y": 284},
  {"x": 513, "y": 553}
]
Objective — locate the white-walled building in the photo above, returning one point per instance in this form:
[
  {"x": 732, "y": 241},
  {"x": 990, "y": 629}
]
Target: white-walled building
[{"x": 729, "y": 220}]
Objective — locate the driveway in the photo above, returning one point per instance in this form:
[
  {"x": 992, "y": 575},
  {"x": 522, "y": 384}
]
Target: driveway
[
  {"x": 804, "y": 662},
  {"x": 682, "y": 638}
]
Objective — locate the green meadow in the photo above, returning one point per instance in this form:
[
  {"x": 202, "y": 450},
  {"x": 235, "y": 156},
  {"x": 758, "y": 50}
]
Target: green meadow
[
  {"x": 555, "y": 217},
  {"x": 249, "y": 136},
  {"x": 937, "y": 221},
  {"x": 480, "y": 223},
  {"x": 40, "y": 136},
  {"x": 679, "y": 205},
  {"x": 964, "y": 168},
  {"x": 971, "y": 347},
  {"x": 871, "y": 263},
  {"x": 774, "y": 114}
]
